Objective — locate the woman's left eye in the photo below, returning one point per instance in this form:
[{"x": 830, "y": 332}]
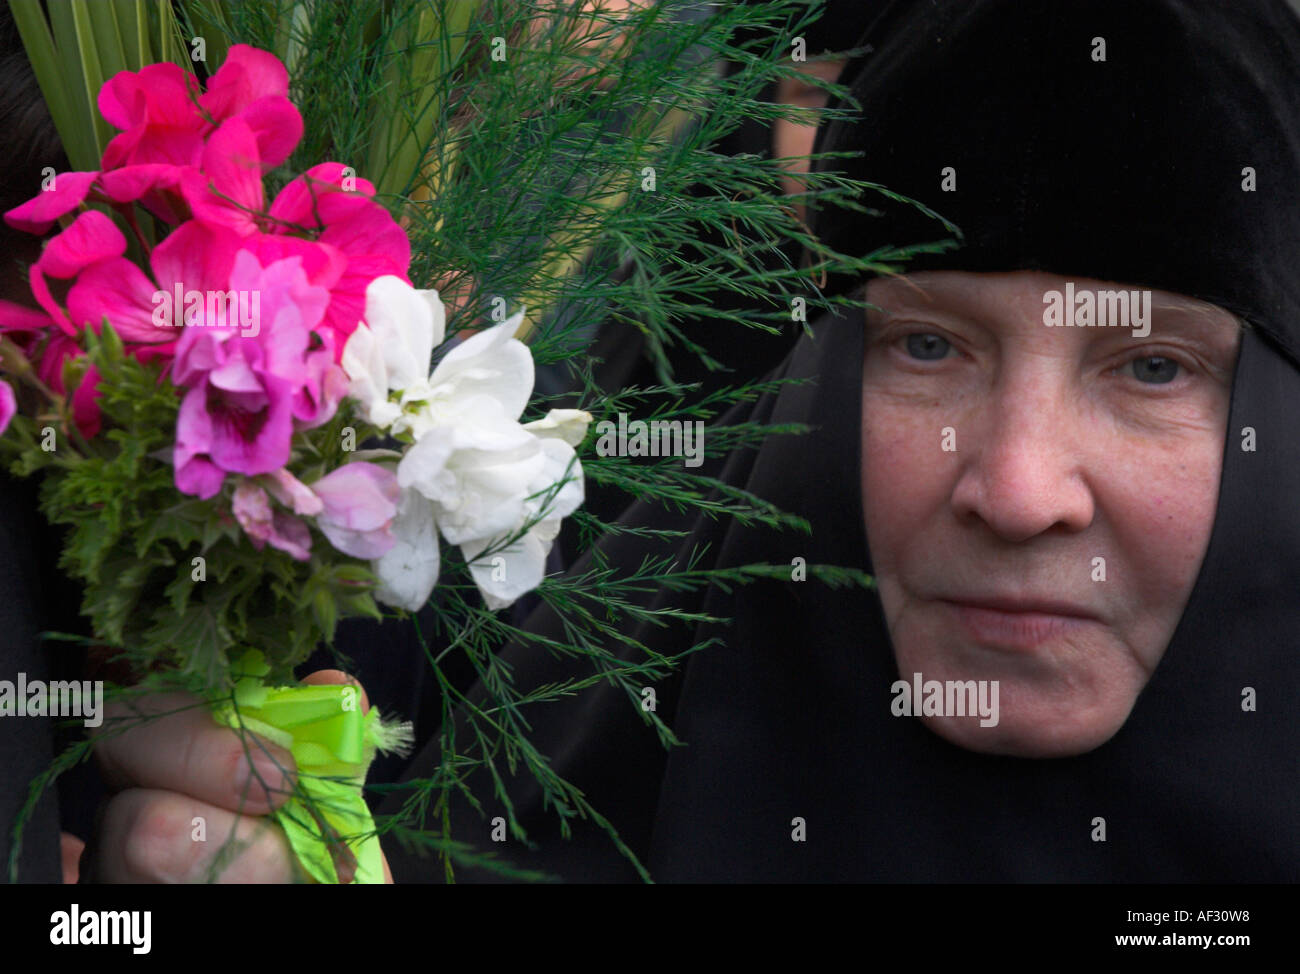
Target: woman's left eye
[
  {"x": 1154, "y": 369},
  {"x": 928, "y": 347}
]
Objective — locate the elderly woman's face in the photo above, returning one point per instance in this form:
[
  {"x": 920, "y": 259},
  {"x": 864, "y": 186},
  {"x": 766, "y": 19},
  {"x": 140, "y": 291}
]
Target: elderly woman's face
[{"x": 1038, "y": 499}]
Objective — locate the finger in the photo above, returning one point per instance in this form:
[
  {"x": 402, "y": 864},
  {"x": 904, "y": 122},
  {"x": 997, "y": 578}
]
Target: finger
[
  {"x": 330, "y": 677},
  {"x": 70, "y": 853},
  {"x": 187, "y": 752},
  {"x": 151, "y": 836}
]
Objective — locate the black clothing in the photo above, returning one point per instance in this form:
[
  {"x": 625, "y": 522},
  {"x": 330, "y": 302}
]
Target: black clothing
[{"x": 26, "y": 743}]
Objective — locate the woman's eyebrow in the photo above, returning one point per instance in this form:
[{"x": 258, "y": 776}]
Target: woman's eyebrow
[
  {"x": 901, "y": 311},
  {"x": 1213, "y": 326}
]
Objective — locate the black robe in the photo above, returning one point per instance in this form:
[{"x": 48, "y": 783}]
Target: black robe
[
  {"x": 30, "y": 592},
  {"x": 1127, "y": 170}
]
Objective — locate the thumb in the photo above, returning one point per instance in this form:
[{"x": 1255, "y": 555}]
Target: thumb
[
  {"x": 70, "y": 849},
  {"x": 327, "y": 677}
]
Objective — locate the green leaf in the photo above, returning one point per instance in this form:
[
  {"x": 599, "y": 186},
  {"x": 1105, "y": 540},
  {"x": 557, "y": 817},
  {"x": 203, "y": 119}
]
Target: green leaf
[
  {"x": 325, "y": 610},
  {"x": 199, "y": 636}
]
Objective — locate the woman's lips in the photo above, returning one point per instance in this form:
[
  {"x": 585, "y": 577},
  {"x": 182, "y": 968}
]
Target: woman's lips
[{"x": 1009, "y": 627}]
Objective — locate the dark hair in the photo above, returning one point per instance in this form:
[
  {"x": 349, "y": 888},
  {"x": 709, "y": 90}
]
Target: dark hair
[{"x": 30, "y": 140}]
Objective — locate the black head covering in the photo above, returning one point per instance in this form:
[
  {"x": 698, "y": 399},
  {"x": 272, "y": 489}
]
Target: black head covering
[{"x": 1127, "y": 170}]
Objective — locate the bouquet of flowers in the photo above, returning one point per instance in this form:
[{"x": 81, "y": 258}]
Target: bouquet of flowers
[
  {"x": 260, "y": 387},
  {"x": 202, "y": 411}
]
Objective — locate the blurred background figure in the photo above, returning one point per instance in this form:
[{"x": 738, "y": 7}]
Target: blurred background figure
[{"x": 749, "y": 353}]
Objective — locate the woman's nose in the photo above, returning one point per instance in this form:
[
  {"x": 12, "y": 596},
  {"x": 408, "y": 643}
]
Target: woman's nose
[{"x": 1024, "y": 462}]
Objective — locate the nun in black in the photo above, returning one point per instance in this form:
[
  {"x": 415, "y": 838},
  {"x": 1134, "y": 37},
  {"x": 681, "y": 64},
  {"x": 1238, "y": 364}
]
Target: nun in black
[{"x": 1147, "y": 729}]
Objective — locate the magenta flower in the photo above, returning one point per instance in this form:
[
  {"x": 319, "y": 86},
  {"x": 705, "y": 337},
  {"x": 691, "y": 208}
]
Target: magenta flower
[
  {"x": 196, "y": 159},
  {"x": 154, "y": 185},
  {"x": 41, "y": 212},
  {"x": 166, "y": 120},
  {"x": 193, "y": 258},
  {"x": 360, "y": 503},
  {"x": 91, "y": 238},
  {"x": 158, "y": 109},
  {"x": 354, "y": 226},
  {"x": 20, "y": 318},
  {"x": 226, "y": 188},
  {"x": 262, "y": 524},
  {"x": 245, "y": 389},
  {"x": 8, "y": 405},
  {"x": 226, "y": 191},
  {"x": 253, "y": 85},
  {"x": 168, "y": 126}
]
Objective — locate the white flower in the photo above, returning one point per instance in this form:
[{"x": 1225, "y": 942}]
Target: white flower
[
  {"x": 474, "y": 473},
  {"x": 509, "y": 572},
  {"x": 390, "y": 351},
  {"x": 477, "y": 474},
  {"x": 491, "y": 373},
  {"x": 409, "y": 570},
  {"x": 472, "y": 458},
  {"x": 363, "y": 361},
  {"x": 570, "y": 425}
]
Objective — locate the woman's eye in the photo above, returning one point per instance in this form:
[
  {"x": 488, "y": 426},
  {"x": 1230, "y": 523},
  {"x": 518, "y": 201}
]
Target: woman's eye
[
  {"x": 1154, "y": 369},
  {"x": 927, "y": 347}
]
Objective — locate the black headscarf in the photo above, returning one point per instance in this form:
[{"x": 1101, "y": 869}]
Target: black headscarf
[{"x": 1126, "y": 170}]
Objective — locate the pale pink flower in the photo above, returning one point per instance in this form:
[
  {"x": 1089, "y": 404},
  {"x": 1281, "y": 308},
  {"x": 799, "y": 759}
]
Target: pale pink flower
[
  {"x": 360, "y": 502},
  {"x": 263, "y": 524}
]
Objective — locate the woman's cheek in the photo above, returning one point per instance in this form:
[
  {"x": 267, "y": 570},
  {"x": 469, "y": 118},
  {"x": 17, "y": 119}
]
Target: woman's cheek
[
  {"x": 1163, "y": 514},
  {"x": 905, "y": 475}
]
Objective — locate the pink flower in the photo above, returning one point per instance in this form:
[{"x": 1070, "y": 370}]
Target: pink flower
[
  {"x": 292, "y": 493},
  {"x": 254, "y": 85},
  {"x": 196, "y": 159},
  {"x": 226, "y": 188},
  {"x": 168, "y": 126},
  {"x": 167, "y": 129},
  {"x": 40, "y": 212},
  {"x": 19, "y": 318},
  {"x": 360, "y": 503},
  {"x": 8, "y": 405},
  {"x": 166, "y": 120},
  {"x": 355, "y": 226},
  {"x": 158, "y": 109},
  {"x": 354, "y": 506},
  {"x": 253, "y": 510},
  {"x": 195, "y": 257},
  {"x": 91, "y": 238},
  {"x": 155, "y": 186},
  {"x": 226, "y": 191},
  {"x": 244, "y": 391},
  {"x": 49, "y": 369}
]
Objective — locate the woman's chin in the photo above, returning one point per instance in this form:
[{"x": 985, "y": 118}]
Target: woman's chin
[{"x": 1031, "y": 735}]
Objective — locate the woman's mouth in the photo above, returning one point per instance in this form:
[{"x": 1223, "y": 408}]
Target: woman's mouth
[{"x": 1021, "y": 625}]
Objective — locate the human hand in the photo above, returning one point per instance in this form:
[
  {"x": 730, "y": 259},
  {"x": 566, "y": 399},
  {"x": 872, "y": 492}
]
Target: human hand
[{"x": 191, "y": 800}]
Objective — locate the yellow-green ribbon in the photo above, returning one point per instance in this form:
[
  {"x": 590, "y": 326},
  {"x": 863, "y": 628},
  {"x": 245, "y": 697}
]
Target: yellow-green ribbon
[{"x": 326, "y": 820}]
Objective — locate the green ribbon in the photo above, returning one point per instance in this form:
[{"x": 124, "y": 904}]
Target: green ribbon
[{"x": 326, "y": 820}]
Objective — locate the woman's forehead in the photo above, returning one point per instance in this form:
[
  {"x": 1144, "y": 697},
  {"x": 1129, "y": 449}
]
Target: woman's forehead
[{"x": 1027, "y": 291}]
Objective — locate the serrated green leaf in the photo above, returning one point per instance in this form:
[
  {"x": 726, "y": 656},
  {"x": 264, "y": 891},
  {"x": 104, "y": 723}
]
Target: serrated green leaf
[{"x": 181, "y": 524}]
